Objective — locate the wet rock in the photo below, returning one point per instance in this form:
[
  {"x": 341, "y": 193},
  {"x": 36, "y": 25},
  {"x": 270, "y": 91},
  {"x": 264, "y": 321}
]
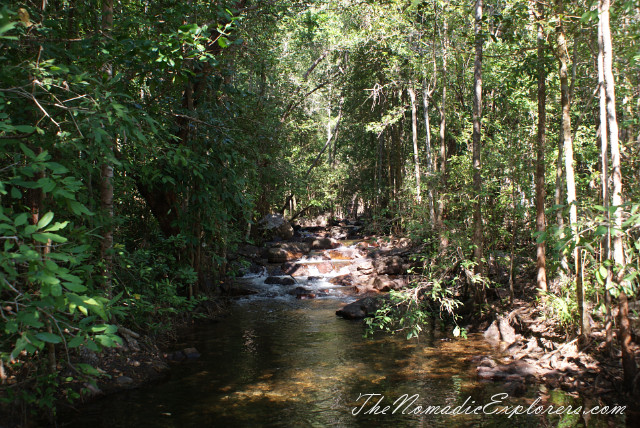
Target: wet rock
[
  {"x": 191, "y": 353},
  {"x": 298, "y": 248},
  {"x": 176, "y": 356},
  {"x": 276, "y": 255},
  {"x": 515, "y": 388},
  {"x": 124, "y": 381},
  {"x": 340, "y": 255},
  {"x": 487, "y": 362},
  {"x": 280, "y": 255},
  {"x": 385, "y": 283},
  {"x": 392, "y": 265},
  {"x": 359, "y": 309},
  {"x": 303, "y": 293},
  {"x": 338, "y": 233},
  {"x": 342, "y": 280},
  {"x": 238, "y": 290},
  {"x": 365, "y": 267},
  {"x": 248, "y": 251},
  {"x": 324, "y": 268},
  {"x": 159, "y": 366},
  {"x": 281, "y": 280},
  {"x": 514, "y": 371},
  {"x": 322, "y": 244},
  {"x": 295, "y": 269}
]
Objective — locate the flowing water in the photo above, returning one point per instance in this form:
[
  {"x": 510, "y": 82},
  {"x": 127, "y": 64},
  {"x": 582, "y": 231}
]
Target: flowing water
[{"x": 278, "y": 361}]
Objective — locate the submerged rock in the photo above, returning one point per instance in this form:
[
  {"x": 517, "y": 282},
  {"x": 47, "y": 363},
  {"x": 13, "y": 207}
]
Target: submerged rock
[
  {"x": 359, "y": 309},
  {"x": 191, "y": 353},
  {"x": 303, "y": 293}
]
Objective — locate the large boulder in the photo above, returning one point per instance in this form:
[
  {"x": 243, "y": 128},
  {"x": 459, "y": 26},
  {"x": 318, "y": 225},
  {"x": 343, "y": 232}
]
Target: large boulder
[
  {"x": 500, "y": 331},
  {"x": 392, "y": 265},
  {"x": 322, "y": 244},
  {"x": 279, "y": 255},
  {"x": 295, "y": 269},
  {"x": 276, "y": 226},
  {"x": 343, "y": 280},
  {"x": 386, "y": 283},
  {"x": 359, "y": 309},
  {"x": 338, "y": 233}
]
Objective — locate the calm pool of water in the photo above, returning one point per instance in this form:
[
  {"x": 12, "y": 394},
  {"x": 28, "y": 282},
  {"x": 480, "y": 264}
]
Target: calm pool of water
[{"x": 291, "y": 363}]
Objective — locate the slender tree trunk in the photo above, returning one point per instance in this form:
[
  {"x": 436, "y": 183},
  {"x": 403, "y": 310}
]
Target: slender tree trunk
[
  {"x": 414, "y": 130},
  {"x": 540, "y": 166},
  {"x": 443, "y": 146},
  {"x": 563, "y": 57},
  {"x": 604, "y": 157},
  {"x": 477, "y": 161},
  {"x": 429, "y": 160},
  {"x": 628, "y": 358},
  {"x": 106, "y": 174},
  {"x": 558, "y": 199}
]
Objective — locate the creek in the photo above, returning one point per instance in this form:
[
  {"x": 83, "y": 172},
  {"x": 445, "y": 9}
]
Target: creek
[{"x": 281, "y": 361}]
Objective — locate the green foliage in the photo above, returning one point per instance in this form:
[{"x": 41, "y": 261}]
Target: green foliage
[
  {"x": 46, "y": 295},
  {"x": 410, "y": 310}
]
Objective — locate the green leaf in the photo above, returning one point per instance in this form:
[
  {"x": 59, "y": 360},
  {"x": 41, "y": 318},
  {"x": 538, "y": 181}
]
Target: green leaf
[
  {"x": 76, "y": 341},
  {"x": 78, "y": 208},
  {"x": 45, "y": 236},
  {"x": 45, "y": 220},
  {"x": 20, "y": 219},
  {"x": 57, "y": 226},
  {"x": 76, "y": 288},
  {"x": 49, "y": 337}
]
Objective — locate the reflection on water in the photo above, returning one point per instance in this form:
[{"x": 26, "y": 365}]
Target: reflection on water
[{"x": 291, "y": 363}]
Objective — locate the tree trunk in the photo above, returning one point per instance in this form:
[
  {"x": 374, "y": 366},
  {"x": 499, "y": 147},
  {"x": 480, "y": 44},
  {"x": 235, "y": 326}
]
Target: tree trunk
[
  {"x": 628, "y": 358},
  {"x": 414, "y": 130},
  {"x": 429, "y": 161},
  {"x": 604, "y": 157},
  {"x": 540, "y": 166},
  {"x": 477, "y": 179},
  {"x": 443, "y": 145},
  {"x": 106, "y": 174},
  {"x": 563, "y": 58}
]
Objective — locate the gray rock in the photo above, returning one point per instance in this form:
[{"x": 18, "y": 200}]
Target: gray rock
[
  {"x": 191, "y": 353},
  {"x": 322, "y": 244},
  {"x": 278, "y": 255},
  {"x": 275, "y": 225},
  {"x": 303, "y": 293},
  {"x": 281, "y": 280},
  {"x": 124, "y": 381},
  {"x": 385, "y": 283},
  {"x": 507, "y": 333},
  {"x": 392, "y": 265},
  {"x": 492, "y": 334}
]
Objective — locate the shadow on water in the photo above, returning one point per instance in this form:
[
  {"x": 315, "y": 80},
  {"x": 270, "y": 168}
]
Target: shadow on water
[{"x": 291, "y": 363}]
